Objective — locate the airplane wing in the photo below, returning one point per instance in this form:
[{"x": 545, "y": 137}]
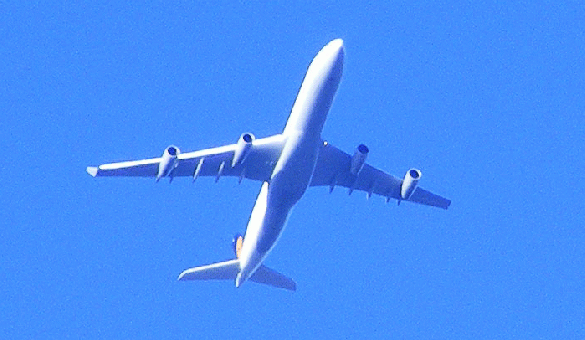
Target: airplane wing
[
  {"x": 257, "y": 164},
  {"x": 333, "y": 168}
]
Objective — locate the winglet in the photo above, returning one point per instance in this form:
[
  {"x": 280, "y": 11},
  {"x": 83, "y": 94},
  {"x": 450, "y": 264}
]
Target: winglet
[
  {"x": 92, "y": 170},
  {"x": 180, "y": 278}
]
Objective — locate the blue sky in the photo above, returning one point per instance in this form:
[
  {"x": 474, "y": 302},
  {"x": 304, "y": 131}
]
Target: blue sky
[{"x": 485, "y": 98}]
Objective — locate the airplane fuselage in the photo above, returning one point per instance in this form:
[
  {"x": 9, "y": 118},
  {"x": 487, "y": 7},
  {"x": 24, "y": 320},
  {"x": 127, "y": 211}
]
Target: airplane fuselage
[{"x": 294, "y": 169}]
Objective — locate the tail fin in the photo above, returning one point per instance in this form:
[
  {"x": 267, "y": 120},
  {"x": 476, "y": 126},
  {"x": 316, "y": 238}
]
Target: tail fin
[{"x": 237, "y": 243}]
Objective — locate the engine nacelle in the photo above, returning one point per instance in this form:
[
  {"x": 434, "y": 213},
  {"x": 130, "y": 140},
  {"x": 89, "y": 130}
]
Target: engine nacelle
[
  {"x": 358, "y": 159},
  {"x": 168, "y": 162},
  {"x": 409, "y": 184},
  {"x": 243, "y": 148}
]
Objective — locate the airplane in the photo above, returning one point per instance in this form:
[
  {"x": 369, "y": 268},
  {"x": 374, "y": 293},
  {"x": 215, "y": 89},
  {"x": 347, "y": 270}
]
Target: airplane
[{"x": 286, "y": 164}]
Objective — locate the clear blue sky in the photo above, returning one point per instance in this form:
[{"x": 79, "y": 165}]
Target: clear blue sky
[{"x": 486, "y": 98}]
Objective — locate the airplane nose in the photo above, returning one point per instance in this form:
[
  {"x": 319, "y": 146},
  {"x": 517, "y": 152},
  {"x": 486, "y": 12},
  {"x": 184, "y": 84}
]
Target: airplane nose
[
  {"x": 336, "y": 44},
  {"x": 335, "y": 48},
  {"x": 336, "y": 52}
]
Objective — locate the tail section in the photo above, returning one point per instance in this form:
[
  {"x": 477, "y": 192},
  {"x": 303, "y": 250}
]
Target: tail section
[
  {"x": 273, "y": 278},
  {"x": 229, "y": 270}
]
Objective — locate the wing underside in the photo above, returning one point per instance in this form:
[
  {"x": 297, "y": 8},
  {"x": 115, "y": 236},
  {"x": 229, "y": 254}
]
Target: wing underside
[
  {"x": 214, "y": 162},
  {"x": 333, "y": 169}
]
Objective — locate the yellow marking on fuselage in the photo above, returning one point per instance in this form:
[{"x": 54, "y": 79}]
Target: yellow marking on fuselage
[{"x": 239, "y": 244}]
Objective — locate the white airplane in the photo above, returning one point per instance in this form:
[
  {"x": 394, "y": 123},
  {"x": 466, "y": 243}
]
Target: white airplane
[{"x": 286, "y": 164}]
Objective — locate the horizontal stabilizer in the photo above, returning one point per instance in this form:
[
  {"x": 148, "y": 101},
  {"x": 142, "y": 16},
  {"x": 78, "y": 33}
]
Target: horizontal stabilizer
[
  {"x": 228, "y": 270},
  {"x": 217, "y": 271},
  {"x": 273, "y": 278}
]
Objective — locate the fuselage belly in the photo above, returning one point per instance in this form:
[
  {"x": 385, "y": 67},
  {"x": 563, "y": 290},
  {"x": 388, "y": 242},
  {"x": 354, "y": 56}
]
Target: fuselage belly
[{"x": 292, "y": 173}]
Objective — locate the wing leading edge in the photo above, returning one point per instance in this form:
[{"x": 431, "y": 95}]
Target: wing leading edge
[{"x": 333, "y": 169}]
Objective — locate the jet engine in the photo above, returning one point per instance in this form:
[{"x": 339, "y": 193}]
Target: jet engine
[
  {"x": 168, "y": 162},
  {"x": 409, "y": 184},
  {"x": 243, "y": 148},
  {"x": 358, "y": 159}
]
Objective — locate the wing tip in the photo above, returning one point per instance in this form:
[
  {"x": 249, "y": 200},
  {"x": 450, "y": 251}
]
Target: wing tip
[
  {"x": 446, "y": 207},
  {"x": 183, "y": 276},
  {"x": 92, "y": 171}
]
